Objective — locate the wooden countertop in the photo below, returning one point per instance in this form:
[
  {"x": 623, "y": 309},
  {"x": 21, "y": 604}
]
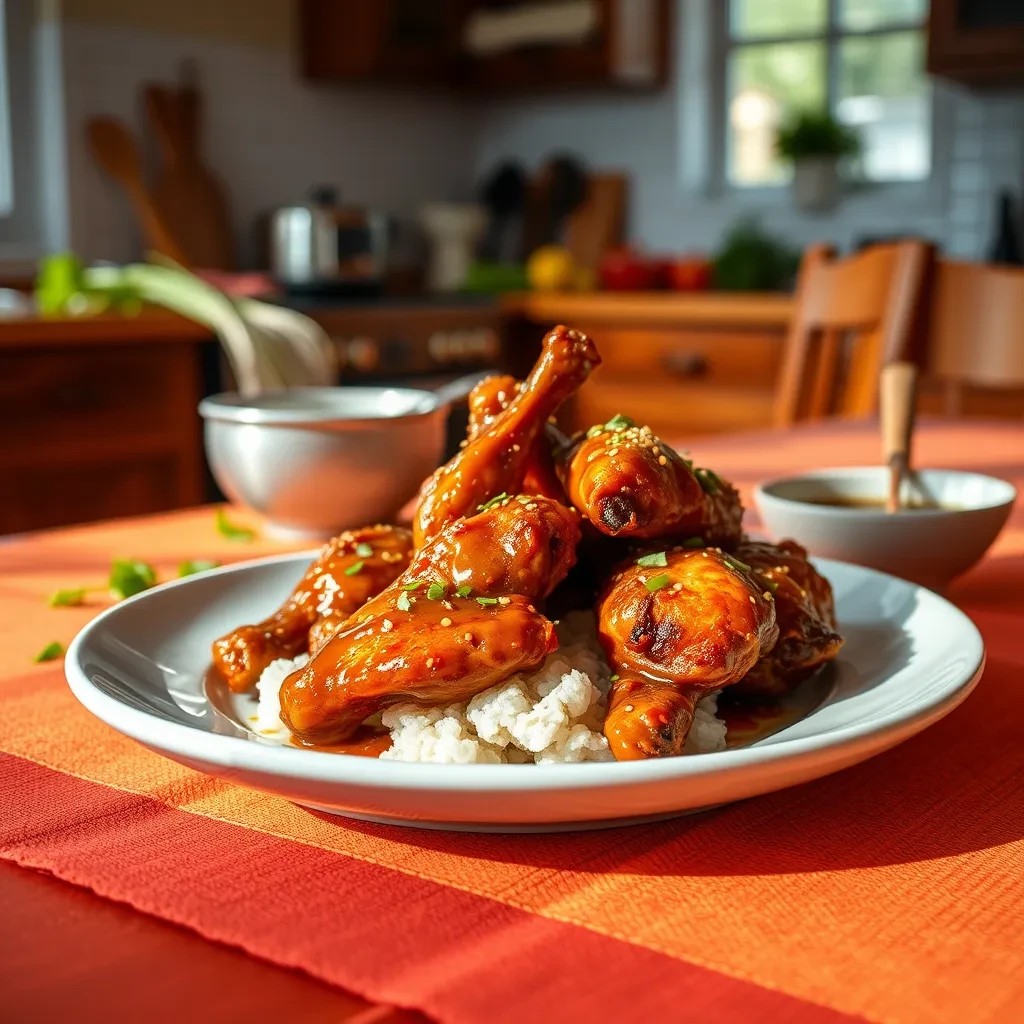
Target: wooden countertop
[
  {"x": 710, "y": 309},
  {"x": 151, "y": 325}
]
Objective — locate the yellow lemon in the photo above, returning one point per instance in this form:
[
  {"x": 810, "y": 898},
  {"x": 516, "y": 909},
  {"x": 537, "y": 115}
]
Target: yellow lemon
[{"x": 551, "y": 269}]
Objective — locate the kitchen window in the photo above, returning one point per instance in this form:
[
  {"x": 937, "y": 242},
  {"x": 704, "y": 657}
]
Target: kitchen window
[{"x": 861, "y": 59}]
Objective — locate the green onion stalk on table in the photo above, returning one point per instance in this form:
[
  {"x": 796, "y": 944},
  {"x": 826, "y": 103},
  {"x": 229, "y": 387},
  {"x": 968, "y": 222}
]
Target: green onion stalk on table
[{"x": 268, "y": 347}]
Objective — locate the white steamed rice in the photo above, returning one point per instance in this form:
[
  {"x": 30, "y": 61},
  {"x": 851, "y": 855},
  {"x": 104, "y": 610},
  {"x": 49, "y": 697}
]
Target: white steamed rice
[{"x": 552, "y": 715}]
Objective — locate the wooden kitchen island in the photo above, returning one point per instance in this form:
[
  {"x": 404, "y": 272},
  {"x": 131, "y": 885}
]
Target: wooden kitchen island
[
  {"x": 98, "y": 417},
  {"x": 687, "y": 363}
]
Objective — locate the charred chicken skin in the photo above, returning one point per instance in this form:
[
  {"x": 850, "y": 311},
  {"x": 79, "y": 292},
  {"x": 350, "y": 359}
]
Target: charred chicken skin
[
  {"x": 352, "y": 568},
  {"x": 458, "y": 620},
  {"x": 673, "y": 632},
  {"x": 496, "y": 460},
  {"x": 629, "y": 483},
  {"x": 805, "y": 611}
]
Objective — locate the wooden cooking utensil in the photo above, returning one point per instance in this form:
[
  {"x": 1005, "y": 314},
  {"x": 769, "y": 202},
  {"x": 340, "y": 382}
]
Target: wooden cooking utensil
[
  {"x": 599, "y": 223},
  {"x": 898, "y": 400},
  {"x": 114, "y": 150},
  {"x": 188, "y": 195}
]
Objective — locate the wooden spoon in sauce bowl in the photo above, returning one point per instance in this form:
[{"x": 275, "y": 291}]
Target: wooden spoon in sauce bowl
[{"x": 898, "y": 401}]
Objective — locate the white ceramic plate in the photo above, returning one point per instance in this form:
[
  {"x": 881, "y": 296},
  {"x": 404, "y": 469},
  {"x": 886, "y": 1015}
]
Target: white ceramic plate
[{"x": 910, "y": 657}]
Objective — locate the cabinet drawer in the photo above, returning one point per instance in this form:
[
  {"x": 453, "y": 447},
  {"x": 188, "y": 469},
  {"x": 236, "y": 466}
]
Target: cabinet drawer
[
  {"x": 90, "y": 394},
  {"x": 675, "y": 411},
  {"x": 687, "y": 355}
]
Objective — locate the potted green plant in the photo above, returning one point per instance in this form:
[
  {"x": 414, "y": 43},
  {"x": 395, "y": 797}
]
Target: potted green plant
[{"x": 814, "y": 142}]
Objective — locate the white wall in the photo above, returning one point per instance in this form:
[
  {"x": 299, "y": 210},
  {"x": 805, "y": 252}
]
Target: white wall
[
  {"x": 661, "y": 141},
  {"x": 268, "y": 135}
]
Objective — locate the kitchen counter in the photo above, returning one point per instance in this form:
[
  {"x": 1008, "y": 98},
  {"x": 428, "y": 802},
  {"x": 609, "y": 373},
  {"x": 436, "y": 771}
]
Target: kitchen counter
[{"x": 104, "y": 329}]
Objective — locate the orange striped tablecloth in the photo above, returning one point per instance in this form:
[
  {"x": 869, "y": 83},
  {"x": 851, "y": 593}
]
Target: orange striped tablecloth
[{"x": 892, "y": 891}]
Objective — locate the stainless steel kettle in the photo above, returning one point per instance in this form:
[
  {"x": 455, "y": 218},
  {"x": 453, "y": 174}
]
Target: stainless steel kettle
[{"x": 326, "y": 248}]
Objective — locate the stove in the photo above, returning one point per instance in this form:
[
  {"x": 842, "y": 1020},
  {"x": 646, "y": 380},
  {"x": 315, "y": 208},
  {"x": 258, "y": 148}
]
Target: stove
[{"x": 422, "y": 341}]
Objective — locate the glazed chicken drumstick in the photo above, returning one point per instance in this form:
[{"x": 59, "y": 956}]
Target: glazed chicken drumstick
[
  {"x": 495, "y": 461},
  {"x": 487, "y": 401},
  {"x": 352, "y": 568},
  {"x": 806, "y": 615},
  {"x": 676, "y": 625},
  {"x": 460, "y": 619},
  {"x": 629, "y": 483}
]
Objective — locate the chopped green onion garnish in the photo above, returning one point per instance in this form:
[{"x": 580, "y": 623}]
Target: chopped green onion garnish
[
  {"x": 772, "y": 586},
  {"x": 196, "y": 565},
  {"x": 693, "y": 542},
  {"x": 128, "y": 577},
  {"x": 735, "y": 563},
  {"x": 657, "y": 582},
  {"x": 614, "y": 677},
  {"x": 464, "y": 591},
  {"x": 487, "y": 600},
  {"x": 67, "y": 598},
  {"x": 435, "y": 592},
  {"x": 403, "y": 604},
  {"x": 228, "y": 529},
  {"x": 618, "y": 422},
  {"x": 655, "y": 558},
  {"x": 709, "y": 480},
  {"x": 354, "y": 568},
  {"x": 51, "y": 652},
  {"x": 496, "y": 500},
  {"x": 597, "y": 428},
  {"x": 415, "y": 585},
  {"x": 364, "y": 550}
]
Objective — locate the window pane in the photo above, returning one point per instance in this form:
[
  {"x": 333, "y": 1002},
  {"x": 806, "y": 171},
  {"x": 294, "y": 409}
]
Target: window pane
[
  {"x": 858, "y": 15},
  {"x": 751, "y": 18},
  {"x": 766, "y": 83},
  {"x": 883, "y": 92}
]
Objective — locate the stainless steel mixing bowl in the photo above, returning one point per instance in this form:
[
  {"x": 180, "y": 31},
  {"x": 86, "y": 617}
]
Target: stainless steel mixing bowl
[{"x": 314, "y": 461}]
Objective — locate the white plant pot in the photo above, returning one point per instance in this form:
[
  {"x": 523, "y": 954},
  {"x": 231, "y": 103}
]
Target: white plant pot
[{"x": 816, "y": 183}]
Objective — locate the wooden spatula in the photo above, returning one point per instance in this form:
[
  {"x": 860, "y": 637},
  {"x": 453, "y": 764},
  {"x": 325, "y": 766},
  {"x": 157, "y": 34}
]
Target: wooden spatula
[
  {"x": 114, "y": 150},
  {"x": 187, "y": 194},
  {"x": 898, "y": 400}
]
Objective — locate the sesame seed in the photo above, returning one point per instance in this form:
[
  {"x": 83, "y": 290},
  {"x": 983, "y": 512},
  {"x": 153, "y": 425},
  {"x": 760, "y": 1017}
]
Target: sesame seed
[
  {"x": 447, "y": 622},
  {"x": 430, "y": 662},
  {"x": 767, "y": 595},
  {"x": 677, "y": 587},
  {"x": 752, "y": 601},
  {"x": 530, "y": 608},
  {"x": 531, "y": 506},
  {"x": 468, "y": 637},
  {"x": 629, "y": 708},
  {"x": 386, "y": 626},
  {"x": 515, "y": 447},
  {"x": 613, "y": 453},
  {"x": 504, "y": 600},
  {"x": 662, "y": 461}
]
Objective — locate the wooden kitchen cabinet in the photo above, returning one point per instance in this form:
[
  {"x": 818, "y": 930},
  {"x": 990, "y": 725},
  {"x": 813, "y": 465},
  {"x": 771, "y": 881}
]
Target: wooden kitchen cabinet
[
  {"x": 423, "y": 42},
  {"x": 977, "y": 41},
  {"x": 685, "y": 365},
  {"x": 98, "y": 419}
]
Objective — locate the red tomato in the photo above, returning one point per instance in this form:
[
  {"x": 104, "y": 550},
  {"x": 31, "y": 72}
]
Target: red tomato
[
  {"x": 624, "y": 270},
  {"x": 690, "y": 274}
]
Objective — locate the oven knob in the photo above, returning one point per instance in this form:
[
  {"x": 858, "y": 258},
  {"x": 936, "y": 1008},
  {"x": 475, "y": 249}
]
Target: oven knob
[{"x": 362, "y": 354}]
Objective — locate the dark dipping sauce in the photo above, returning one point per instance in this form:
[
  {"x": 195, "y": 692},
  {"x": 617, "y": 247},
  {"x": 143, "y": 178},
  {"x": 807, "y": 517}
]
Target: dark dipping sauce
[{"x": 874, "y": 504}]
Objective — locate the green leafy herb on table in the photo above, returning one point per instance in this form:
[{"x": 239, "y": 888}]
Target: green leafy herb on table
[
  {"x": 70, "y": 598},
  {"x": 231, "y": 531},
  {"x": 196, "y": 565},
  {"x": 129, "y": 577},
  {"x": 51, "y": 652}
]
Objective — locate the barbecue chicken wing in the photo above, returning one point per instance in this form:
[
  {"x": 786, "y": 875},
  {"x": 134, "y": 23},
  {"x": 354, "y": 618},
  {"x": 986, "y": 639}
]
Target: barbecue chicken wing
[
  {"x": 805, "y": 612},
  {"x": 458, "y": 620},
  {"x": 430, "y": 651},
  {"x": 495, "y": 461},
  {"x": 487, "y": 401},
  {"x": 672, "y": 633},
  {"x": 628, "y": 483},
  {"x": 352, "y": 568}
]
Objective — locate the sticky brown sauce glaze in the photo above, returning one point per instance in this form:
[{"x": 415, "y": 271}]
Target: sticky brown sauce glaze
[{"x": 750, "y": 720}]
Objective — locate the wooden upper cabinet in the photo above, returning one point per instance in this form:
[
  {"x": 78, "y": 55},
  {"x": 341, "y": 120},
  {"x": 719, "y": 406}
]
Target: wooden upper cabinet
[
  {"x": 471, "y": 44},
  {"x": 980, "y": 42}
]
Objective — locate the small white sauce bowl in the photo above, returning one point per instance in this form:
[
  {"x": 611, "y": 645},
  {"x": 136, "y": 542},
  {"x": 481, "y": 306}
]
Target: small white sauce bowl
[{"x": 930, "y": 546}]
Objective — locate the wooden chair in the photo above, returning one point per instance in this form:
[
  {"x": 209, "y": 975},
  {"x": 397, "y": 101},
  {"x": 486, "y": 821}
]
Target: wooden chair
[
  {"x": 975, "y": 329},
  {"x": 852, "y": 316}
]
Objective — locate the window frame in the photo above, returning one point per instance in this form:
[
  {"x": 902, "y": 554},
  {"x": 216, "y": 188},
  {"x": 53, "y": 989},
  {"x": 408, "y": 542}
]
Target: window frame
[{"x": 723, "y": 46}]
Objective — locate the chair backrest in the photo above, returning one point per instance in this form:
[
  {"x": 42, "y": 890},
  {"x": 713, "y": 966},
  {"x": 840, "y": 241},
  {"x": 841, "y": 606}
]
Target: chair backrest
[
  {"x": 976, "y": 324},
  {"x": 852, "y": 316}
]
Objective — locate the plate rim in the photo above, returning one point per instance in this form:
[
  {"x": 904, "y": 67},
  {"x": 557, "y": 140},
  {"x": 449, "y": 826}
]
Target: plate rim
[{"x": 299, "y": 765}]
